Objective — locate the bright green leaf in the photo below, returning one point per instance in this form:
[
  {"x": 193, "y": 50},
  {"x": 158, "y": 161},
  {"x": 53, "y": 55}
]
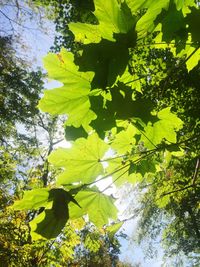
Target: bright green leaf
[
  {"x": 50, "y": 222},
  {"x": 124, "y": 140},
  {"x": 114, "y": 228},
  {"x": 193, "y": 56},
  {"x": 146, "y": 23},
  {"x": 73, "y": 98},
  {"x": 33, "y": 199},
  {"x": 98, "y": 206},
  {"x": 164, "y": 128},
  {"x": 85, "y": 33},
  {"x": 112, "y": 17},
  {"x": 82, "y": 161}
]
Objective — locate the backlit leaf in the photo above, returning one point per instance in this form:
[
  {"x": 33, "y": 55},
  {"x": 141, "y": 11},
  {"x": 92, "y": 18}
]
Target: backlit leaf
[
  {"x": 73, "y": 98},
  {"x": 114, "y": 228},
  {"x": 33, "y": 199},
  {"x": 146, "y": 23},
  {"x": 82, "y": 161},
  {"x": 164, "y": 128},
  {"x": 193, "y": 55},
  {"x": 50, "y": 222},
  {"x": 124, "y": 140},
  {"x": 98, "y": 206}
]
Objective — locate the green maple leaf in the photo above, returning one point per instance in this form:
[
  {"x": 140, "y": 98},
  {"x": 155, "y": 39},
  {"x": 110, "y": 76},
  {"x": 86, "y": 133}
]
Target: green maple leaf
[
  {"x": 131, "y": 80},
  {"x": 179, "y": 4},
  {"x": 46, "y": 225},
  {"x": 82, "y": 161},
  {"x": 113, "y": 18},
  {"x": 143, "y": 167},
  {"x": 112, "y": 14},
  {"x": 164, "y": 128},
  {"x": 124, "y": 140},
  {"x": 73, "y": 98},
  {"x": 184, "y": 4},
  {"x": 98, "y": 206},
  {"x": 50, "y": 222},
  {"x": 136, "y": 5},
  {"x": 146, "y": 24},
  {"x": 86, "y": 33},
  {"x": 33, "y": 199}
]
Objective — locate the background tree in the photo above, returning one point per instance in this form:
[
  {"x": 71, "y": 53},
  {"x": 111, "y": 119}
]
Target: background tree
[{"x": 27, "y": 138}]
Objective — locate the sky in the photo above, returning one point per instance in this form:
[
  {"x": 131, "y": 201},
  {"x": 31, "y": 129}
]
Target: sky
[
  {"x": 33, "y": 44},
  {"x": 33, "y": 34}
]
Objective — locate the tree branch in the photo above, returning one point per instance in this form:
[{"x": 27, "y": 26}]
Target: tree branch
[
  {"x": 196, "y": 172},
  {"x": 19, "y": 24}
]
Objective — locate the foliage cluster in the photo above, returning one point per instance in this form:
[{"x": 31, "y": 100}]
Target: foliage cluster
[
  {"x": 131, "y": 95},
  {"x": 24, "y": 166}
]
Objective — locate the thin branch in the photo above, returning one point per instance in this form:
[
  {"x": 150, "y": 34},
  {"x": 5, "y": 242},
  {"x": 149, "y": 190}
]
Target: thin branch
[
  {"x": 10, "y": 21},
  {"x": 135, "y": 161},
  {"x": 196, "y": 172},
  {"x": 19, "y": 24},
  {"x": 113, "y": 158},
  {"x": 113, "y": 181},
  {"x": 177, "y": 190},
  {"x": 57, "y": 142},
  {"x": 110, "y": 174},
  {"x": 146, "y": 136},
  {"x": 164, "y": 43},
  {"x": 76, "y": 190},
  {"x": 42, "y": 123},
  {"x": 143, "y": 76},
  {"x": 37, "y": 144}
]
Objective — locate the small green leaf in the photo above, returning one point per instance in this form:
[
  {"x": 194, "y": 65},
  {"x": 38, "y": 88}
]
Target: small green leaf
[{"x": 114, "y": 228}]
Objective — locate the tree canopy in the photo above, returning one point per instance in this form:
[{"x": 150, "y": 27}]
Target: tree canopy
[{"x": 130, "y": 93}]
